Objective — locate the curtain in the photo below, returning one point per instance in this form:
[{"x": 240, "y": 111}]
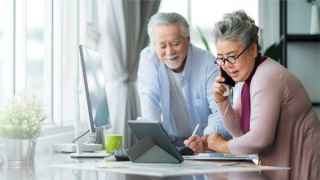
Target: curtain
[{"x": 123, "y": 28}]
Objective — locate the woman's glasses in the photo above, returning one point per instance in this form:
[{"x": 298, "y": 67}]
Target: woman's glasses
[{"x": 230, "y": 59}]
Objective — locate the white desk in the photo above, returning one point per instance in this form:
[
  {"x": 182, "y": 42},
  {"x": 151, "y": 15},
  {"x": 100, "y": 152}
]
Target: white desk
[
  {"x": 187, "y": 168},
  {"x": 61, "y": 167}
]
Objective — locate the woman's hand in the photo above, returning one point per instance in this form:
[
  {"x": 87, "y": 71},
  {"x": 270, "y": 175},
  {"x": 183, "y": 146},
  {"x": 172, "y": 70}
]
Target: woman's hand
[
  {"x": 196, "y": 143},
  {"x": 219, "y": 89},
  {"x": 217, "y": 143}
]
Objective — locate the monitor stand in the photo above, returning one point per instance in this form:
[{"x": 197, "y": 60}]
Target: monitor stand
[
  {"x": 95, "y": 143},
  {"x": 97, "y": 137}
]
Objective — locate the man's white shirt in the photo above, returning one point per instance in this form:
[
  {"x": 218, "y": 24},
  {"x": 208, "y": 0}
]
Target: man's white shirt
[{"x": 157, "y": 98}]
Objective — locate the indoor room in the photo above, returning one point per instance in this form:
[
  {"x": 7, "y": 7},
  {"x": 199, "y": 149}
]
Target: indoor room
[{"x": 159, "y": 89}]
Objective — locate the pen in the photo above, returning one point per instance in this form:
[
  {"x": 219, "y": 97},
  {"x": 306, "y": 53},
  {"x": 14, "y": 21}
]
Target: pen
[{"x": 195, "y": 130}]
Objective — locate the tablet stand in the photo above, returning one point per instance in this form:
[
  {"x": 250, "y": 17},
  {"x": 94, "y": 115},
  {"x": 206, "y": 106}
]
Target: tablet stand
[{"x": 147, "y": 151}]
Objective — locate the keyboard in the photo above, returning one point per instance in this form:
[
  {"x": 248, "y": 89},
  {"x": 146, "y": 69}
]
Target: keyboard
[
  {"x": 99, "y": 154},
  {"x": 121, "y": 155},
  {"x": 184, "y": 150}
]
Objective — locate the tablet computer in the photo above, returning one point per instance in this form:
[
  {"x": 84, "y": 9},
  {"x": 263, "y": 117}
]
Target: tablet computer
[{"x": 155, "y": 131}]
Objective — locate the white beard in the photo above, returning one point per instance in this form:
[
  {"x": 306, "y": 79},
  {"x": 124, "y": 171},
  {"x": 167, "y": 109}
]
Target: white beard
[{"x": 173, "y": 62}]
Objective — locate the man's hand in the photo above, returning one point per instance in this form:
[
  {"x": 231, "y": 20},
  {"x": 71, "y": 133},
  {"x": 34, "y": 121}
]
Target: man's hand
[
  {"x": 196, "y": 143},
  {"x": 217, "y": 143}
]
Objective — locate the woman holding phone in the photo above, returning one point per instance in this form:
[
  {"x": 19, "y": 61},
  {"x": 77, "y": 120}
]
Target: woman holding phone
[{"x": 273, "y": 116}]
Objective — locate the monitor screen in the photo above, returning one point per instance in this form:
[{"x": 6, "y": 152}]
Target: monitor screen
[{"x": 94, "y": 83}]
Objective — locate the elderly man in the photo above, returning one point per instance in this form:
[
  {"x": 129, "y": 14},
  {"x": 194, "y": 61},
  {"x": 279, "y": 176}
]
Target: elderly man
[{"x": 175, "y": 80}]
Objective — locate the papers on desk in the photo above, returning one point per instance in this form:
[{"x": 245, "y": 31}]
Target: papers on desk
[{"x": 225, "y": 157}]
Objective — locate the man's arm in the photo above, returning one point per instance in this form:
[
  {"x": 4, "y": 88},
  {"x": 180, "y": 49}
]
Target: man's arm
[
  {"x": 148, "y": 87},
  {"x": 215, "y": 120}
]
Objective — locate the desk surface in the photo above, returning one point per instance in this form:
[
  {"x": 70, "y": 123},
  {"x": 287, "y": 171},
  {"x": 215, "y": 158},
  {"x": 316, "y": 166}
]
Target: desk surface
[
  {"x": 187, "y": 168},
  {"x": 61, "y": 167}
]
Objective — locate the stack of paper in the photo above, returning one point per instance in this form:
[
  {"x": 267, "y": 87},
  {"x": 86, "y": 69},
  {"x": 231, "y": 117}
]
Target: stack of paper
[{"x": 220, "y": 156}]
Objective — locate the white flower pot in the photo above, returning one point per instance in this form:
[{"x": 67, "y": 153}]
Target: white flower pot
[
  {"x": 315, "y": 20},
  {"x": 3, "y": 158},
  {"x": 19, "y": 152}
]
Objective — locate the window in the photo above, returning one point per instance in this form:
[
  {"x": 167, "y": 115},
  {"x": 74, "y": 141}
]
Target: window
[
  {"x": 25, "y": 43},
  {"x": 6, "y": 48},
  {"x": 39, "y": 55},
  {"x": 203, "y": 14}
]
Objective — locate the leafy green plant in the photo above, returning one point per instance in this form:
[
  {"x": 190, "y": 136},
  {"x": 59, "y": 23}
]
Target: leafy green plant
[
  {"x": 21, "y": 118},
  {"x": 204, "y": 39}
]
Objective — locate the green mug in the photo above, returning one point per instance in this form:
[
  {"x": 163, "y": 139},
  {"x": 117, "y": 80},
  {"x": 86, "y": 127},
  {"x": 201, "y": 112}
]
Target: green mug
[{"x": 112, "y": 142}]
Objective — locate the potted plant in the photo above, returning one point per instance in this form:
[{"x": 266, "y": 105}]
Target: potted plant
[{"x": 20, "y": 125}]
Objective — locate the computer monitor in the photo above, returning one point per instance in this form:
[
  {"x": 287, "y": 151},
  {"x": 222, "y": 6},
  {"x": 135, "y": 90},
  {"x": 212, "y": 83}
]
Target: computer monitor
[
  {"x": 96, "y": 99},
  {"x": 94, "y": 85}
]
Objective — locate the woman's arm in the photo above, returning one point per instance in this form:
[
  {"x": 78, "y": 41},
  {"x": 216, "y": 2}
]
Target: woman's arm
[
  {"x": 231, "y": 116},
  {"x": 266, "y": 100}
]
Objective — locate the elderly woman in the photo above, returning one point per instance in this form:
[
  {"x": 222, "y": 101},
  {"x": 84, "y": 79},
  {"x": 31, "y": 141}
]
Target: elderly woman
[{"x": 273, "y": 115}]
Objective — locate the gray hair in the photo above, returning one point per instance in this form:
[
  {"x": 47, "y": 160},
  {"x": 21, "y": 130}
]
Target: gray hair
[
  {"x": 237, "y": 26},
  {"x": 167, "y": 19}
]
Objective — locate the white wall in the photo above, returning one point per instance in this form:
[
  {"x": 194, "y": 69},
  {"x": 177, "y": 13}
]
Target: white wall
[
  {"x": 298, "y": 16},
  {"x": 303, "y": 58},
  {"x": 304, "y": 62}
]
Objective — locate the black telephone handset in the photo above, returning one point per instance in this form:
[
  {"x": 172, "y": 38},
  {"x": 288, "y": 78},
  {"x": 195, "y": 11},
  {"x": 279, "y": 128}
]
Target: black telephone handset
[{"x": 227, "y": 79}]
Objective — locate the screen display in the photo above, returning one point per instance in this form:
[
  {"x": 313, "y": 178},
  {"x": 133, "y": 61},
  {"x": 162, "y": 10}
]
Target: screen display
[{"x": 94, "y": 83}]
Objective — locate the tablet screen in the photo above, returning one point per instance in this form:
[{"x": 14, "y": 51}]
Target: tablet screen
[{"x": 154, "y": 130}]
